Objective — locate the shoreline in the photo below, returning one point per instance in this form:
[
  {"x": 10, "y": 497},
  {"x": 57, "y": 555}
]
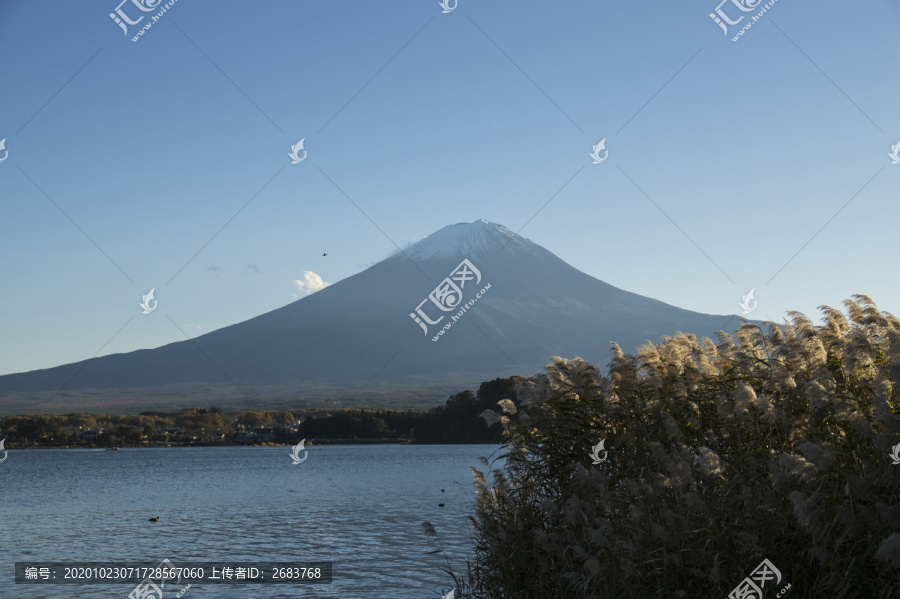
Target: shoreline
[{"x": 309, "y": 443}]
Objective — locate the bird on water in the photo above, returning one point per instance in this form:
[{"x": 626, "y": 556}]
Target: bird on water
[{"x": 154, "y": 519}]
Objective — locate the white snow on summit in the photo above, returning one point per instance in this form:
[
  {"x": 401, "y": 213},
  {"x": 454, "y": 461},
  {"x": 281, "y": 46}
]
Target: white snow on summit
[{"x": 467, "y": 239}]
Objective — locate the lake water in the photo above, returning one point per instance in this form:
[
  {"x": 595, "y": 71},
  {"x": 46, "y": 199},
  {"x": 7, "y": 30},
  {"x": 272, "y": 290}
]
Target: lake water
[{"x": 360, "y": 507}]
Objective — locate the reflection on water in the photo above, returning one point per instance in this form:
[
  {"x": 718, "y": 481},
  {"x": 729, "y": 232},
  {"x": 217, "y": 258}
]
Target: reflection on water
[{"x": 360, "y": 507}]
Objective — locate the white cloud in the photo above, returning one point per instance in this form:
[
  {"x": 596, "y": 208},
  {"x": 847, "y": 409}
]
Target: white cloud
[{"x": 310, "y": 283}]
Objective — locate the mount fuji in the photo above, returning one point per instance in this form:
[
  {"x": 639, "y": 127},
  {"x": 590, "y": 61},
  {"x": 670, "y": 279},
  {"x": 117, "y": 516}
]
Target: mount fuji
[{"x": 500, "y": 305}]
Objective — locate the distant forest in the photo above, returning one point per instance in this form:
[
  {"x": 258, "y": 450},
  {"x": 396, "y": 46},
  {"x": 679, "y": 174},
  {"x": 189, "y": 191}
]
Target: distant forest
[{"x": 455, "y": 422}]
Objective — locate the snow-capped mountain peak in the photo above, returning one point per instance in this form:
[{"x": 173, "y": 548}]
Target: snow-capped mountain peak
[
  {"x": 468, "y": 240},
  {"x": 526, "y": 306}
]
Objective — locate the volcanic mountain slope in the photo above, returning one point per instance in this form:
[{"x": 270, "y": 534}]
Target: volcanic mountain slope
[{"x": 360, "y": 331}]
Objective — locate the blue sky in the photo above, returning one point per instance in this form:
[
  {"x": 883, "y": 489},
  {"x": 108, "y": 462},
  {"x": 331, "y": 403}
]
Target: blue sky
[{"x": 163, "y": 163}]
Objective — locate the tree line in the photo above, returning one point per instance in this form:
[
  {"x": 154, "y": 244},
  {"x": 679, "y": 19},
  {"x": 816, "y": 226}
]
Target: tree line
[{"x": 455, "y": 422}]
